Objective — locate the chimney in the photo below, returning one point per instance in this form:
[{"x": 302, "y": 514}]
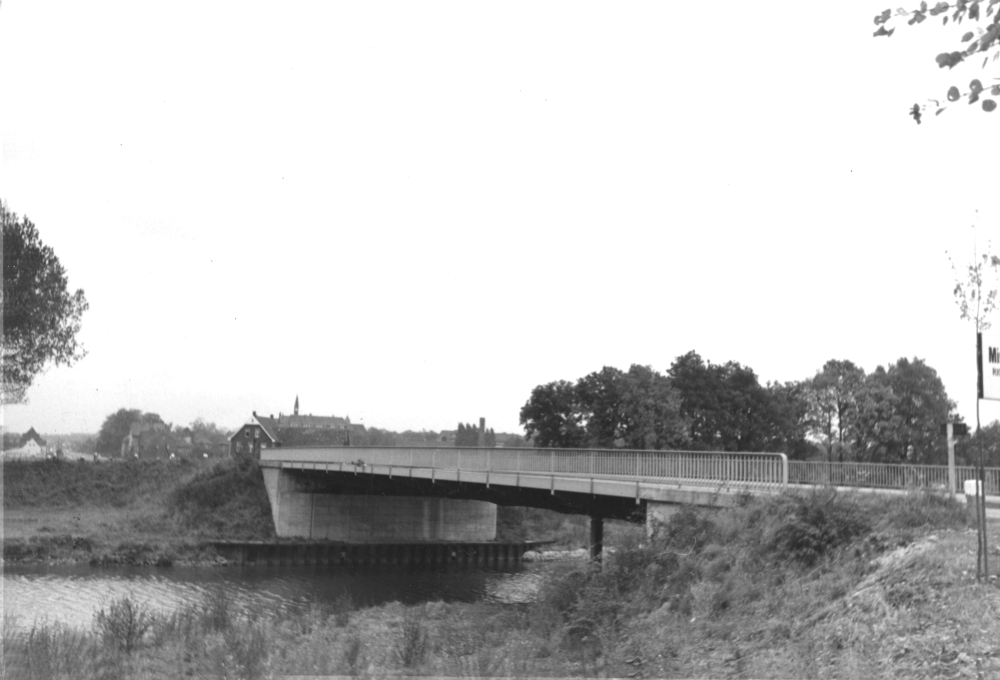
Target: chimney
[{"x": 482, "y": 432}]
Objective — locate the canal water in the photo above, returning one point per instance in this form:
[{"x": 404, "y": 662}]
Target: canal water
[{"x": 71, "y": 594}]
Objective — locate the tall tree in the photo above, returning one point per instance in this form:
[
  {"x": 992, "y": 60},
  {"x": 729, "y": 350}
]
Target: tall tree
[
  {"x": 832, "y": 396},
  {"x": 727, "y": 409},
  {"x": 922, "y": 408},
  {"x": 117, "y": 425},
  {"x": 974, "y": 44},
  {"x": 650, "y": 411},
  {"x": 898, "y": 407},
  {"x": 599, "y": 399},
  {"x": 551, "y": 416},
  {"x": 723, "y": 403},
  {"x": 700, "y": 388},
  {"x": 786, "y": 427},
  {"x": 41, "y": 318},
  {"x": 874, "y": 433}
]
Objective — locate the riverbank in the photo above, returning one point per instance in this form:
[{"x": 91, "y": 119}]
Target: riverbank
[
  {"x": 829, "y": 585},
  {"x": 129, "y": 512},
  {"x": 158, "y": 513}
]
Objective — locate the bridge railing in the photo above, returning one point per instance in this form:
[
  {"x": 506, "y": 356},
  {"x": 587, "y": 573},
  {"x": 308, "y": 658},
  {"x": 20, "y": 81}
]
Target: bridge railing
[
  {"x": 698, "y": 468},
  {"x": 886, "y": 475}
]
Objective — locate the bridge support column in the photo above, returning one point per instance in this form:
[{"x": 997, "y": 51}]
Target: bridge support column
[
  {"x": 657, "y": 515},
  {"x": 596, "y": 537}
]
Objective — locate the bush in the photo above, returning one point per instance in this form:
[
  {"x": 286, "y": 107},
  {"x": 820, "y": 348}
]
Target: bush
[
  {"x": 124, "y": 624},
  {"x": 217, "y": 610},
  {"x": 807, "y": 527},
  {"x": 229, "y": 499},
  {"x": 924, "y": 508},
  {"x": 248, "y": 650},
  {"x": 412, "y": 644},
  {"x": 353, "y": 659},
  {"x": 689, "y": 529},
  {"x": 342, "y": 608}
]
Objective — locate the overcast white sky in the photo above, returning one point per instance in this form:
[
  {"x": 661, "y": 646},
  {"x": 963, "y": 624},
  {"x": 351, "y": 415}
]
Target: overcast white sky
[{"x": 412, "y": 213}]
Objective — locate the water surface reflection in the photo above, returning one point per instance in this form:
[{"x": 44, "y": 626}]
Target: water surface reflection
[{"x": 72, "y": 593}]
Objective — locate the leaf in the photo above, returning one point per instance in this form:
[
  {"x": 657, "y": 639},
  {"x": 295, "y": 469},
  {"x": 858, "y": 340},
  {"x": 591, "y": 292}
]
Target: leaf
[
  {"x": 881, "y": 31},
  {"x": 938, "y": 112},
  {"x": 995, "y": 90},
  {"x": 953, "y": 94},
  {"x": 967, "y": 37},
  {"x": 923, "y": 6},
  {"x": 989, "y": 105},
  {"x": 883, "y": 17},
  {"x": 976, "y": 86}
]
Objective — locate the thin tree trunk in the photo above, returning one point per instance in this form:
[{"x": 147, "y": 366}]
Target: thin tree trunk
[{"x": 986, "y": 547}]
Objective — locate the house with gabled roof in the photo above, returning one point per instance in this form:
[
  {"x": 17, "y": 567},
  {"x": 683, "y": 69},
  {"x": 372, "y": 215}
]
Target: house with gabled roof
[
  {"x": 31, "y": 445},
  {"x": 262, "y": 432}
]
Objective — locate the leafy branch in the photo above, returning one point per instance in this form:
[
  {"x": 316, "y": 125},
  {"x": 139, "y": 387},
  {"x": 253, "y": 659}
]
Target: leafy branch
[{"x": 982, "y": 40}]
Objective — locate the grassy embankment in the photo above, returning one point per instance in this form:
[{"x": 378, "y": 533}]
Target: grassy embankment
[
  {"x": 820, "y": 586},
  {"x": 134, "y": 512},
  {"x": 159, "y": 512}
]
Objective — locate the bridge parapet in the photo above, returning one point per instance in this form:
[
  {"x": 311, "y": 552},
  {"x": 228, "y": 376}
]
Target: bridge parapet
[{"x": 734, "y": 471}]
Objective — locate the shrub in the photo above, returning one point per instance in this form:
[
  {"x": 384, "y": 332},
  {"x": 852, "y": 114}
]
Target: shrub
[
  {"x": 354, "y": 655},
  {"x": 248, "y": 650},
  {"x": 922, "y": 507},
  {"x": 807, "y": 527},
  {"x": 217, "y": 610},
  {"x": 124, "y": 624},
  {"x": 343, "y": 606},
  {"x": 229, "y": 499},
  {"x": 412, "y": 645},
  {"x": 689, "y": 529},
  {"x": 561, "y": 590},
  {"x": 47, "y": 650}
]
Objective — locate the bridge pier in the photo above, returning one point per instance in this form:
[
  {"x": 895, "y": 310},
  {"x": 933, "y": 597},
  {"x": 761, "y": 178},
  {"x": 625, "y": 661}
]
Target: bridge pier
[
  {"x": 303, "y": 505},
  {"x": 657, "y": 515},
  {"x": 596, "y": 537}
]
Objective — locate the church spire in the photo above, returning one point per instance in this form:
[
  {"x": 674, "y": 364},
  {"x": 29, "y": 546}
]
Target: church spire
[{"x": 296, "y": 404}]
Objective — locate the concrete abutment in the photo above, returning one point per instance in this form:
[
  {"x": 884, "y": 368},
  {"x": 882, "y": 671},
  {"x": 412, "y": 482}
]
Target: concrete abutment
[{"x": 302, "y": 507}]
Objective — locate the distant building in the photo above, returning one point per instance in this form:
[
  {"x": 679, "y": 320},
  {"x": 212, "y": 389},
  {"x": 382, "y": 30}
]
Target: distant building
[
  {"x": 31, "y": 445},
  {"x": 262, "y": 432}
]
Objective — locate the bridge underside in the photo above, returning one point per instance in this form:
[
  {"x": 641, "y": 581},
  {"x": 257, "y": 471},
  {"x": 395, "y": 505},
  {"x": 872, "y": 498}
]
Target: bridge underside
[
  {"x": 361, "y": 503},
  {"x": 348, "y": 483},
  {"x": 366, "y": 507}
]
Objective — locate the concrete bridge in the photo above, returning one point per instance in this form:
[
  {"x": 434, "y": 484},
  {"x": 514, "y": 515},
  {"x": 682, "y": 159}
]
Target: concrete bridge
[{"x": 388, "y": 494}]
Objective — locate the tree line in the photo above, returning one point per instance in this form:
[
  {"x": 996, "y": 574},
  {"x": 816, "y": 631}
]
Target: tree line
[
  {"x": 842, "y": 413},
  {"x": 117, "y": 425}
]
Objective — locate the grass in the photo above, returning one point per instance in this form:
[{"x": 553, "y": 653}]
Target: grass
[
  {"x": 820, "y": 586},
  {"x": 129, "y": 512}
]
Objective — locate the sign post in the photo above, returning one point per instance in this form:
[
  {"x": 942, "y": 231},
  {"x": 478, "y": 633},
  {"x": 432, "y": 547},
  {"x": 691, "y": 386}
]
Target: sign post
[
  {"x": 952, "y": 430},
  {"x": 951, "y": 460}
]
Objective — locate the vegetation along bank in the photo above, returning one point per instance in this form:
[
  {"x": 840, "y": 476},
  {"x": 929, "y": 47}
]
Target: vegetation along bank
[{"x": 825, "y": 585}]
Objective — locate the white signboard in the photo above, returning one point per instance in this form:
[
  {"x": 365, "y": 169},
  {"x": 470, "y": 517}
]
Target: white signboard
[{"x": 989, "y": 367}]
